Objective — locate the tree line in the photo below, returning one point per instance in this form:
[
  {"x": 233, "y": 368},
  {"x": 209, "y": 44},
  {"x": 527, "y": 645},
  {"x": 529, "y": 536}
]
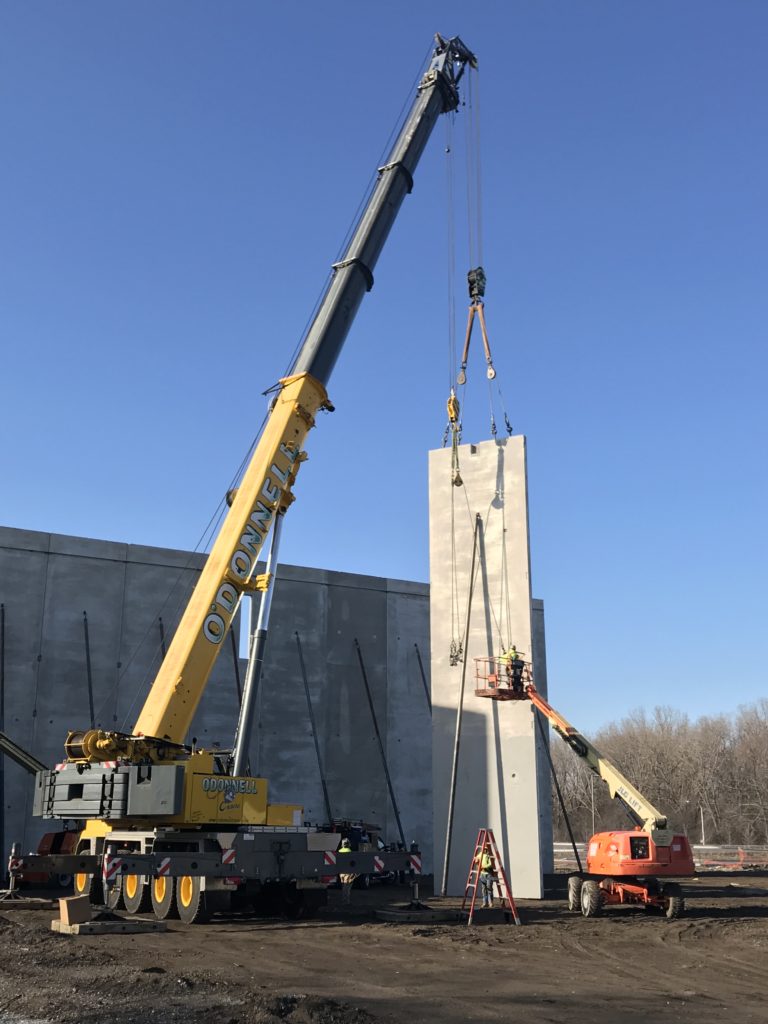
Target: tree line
[{"x": 709, "y": 776}]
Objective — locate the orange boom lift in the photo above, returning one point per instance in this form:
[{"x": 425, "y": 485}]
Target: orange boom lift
[{"x": 631, "y": 866}]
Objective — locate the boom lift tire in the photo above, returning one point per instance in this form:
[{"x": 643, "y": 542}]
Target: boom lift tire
[
  {"x": 136, "y": 895},
  {"x": 575, "y": 882},
  {"x": 190, "y": 900},
  {"x": 674, "y": 903},
  {"x": 592, "y": 898},
  {"x": 163, "y": 895}
]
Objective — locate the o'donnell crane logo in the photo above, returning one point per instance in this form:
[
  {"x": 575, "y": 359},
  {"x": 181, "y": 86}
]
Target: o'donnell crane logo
[{"x": 228, "y": 789}]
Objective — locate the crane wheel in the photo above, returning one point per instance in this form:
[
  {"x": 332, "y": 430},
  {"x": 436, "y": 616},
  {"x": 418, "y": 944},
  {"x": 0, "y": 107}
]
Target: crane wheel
[
  {"x": 90, "y": 886},
  {"x": 190, "y": 900},
  {"x": 137, "y": 897},
  {"x": 592, "y": 898},
  {"x": 113, "y": 894},
  {"x": 673, "y": 901},
  {"x": 575, "y": 882},
  {"x": 163, "y": 895}
]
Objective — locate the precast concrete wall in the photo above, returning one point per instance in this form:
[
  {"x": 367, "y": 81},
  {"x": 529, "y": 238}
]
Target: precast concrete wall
[
  {"x": 48, "y": 582},
  {"x": 330, "y": 611},
  {"x": 502, "y": 773}
]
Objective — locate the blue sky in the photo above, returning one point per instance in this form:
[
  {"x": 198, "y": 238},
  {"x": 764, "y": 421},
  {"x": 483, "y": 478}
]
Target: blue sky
[{"x": 176, "y": 179}]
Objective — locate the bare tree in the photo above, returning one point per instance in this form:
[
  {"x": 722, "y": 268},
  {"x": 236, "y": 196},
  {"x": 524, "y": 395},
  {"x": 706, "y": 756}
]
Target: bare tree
[{"x": 710, "y": 776}]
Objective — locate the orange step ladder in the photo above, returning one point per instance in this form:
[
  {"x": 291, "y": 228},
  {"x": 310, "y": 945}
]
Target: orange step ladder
[{"x": 485, "y": 838}]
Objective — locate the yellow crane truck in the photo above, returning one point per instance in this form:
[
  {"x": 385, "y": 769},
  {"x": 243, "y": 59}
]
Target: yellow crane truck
[{"x": 188, "y": 831}]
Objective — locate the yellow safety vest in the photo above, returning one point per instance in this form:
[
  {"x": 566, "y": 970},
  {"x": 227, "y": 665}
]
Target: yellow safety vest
[{"x": 485, "y": 861}]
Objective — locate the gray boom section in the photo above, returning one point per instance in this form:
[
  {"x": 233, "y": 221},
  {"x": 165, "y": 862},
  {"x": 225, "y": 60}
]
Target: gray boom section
[
  {"x": 353, "y": 274},
  {"x": 20, "y": 755}
]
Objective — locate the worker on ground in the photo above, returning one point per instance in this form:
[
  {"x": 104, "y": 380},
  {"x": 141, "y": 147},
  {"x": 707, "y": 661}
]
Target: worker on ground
[
  {"x": 484, "y": 862},
  {"x": 346, "y": 878}
]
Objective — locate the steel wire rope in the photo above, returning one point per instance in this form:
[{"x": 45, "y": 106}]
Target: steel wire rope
[
  {"x": 451, "y": 222},
  {"x": 163, "y": 608},
  {"x": 205, "y": 538},
  {"x": 366, "y": 195},
  {"x": 485, "y": 520},
  {"x": 394, "y": 133},
  {"x": 215, "y": 520},
  {"x": 474, "y": 77},
  {"x": 505, "y": 574},
  {"x": 453, "y": 428},
  {"x": 469, "y": 171},
  {"x": 33, "y": 728},
  {"x": 217, "y": 516}
]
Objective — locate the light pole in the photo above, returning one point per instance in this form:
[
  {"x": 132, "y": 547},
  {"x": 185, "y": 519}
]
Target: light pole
[{"x": 701, "y": 812}]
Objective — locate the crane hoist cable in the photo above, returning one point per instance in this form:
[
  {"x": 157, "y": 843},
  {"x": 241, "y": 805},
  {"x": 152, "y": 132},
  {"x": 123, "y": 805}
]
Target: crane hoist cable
[
  {"x": 450, "y": 222},
  {"x": 476, "y": 281}
]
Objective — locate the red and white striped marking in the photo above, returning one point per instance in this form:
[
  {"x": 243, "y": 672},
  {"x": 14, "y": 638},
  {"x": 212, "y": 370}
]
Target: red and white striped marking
[
  {"x": 103, "y": 764},
  {"x": 378, "y": 865},
  {"x": 228, "y": 856},
  {"x": 164, "y": 867},
  {"x": 111, "y": 868},
  {"x": 329, "y": 857},
  {"x": 415, "y": 859}
]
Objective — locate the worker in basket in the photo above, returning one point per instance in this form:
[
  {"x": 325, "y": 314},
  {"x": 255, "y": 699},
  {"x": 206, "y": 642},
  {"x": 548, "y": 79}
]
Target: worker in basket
[
  {"x": 514, "y": 666},
  {"x": 485, "y": 865}
]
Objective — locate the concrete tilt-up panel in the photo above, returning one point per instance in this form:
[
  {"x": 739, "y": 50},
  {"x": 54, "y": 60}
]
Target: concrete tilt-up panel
[
  {"x": 501, "y": 777},
  {"x": 48, "y": 582}
]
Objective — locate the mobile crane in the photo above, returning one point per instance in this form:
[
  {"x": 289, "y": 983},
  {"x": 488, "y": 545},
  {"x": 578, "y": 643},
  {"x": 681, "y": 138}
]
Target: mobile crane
[
  {"x": 185, "y": 829},
  {"x": 622, "y": 866}
]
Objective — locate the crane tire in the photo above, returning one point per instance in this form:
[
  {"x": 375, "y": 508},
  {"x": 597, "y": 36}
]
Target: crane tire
[
  {"x": 90, "y": 886},
  {"x": 163, "y": 896},
  {"x": 190, "y": 900},
  {"x": 137, "y": 897},
  {"x": 592, "y": 898},
  {"x": 674, "y": 903},
  {"x": 113, "y": 894},
  {"x": 575, "y": 883}
]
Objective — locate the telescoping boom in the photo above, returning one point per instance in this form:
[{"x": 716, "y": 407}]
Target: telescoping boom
[
  {"x": 640, "y": 809},
  {"x": 265, "y": 490}
]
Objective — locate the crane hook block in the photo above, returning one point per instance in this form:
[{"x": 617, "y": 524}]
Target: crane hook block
[{"x": 476, "y": 282}]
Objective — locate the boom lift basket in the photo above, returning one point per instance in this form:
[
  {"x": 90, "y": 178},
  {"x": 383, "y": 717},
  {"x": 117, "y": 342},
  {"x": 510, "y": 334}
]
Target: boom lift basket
[{"x": 502, "y": 680}]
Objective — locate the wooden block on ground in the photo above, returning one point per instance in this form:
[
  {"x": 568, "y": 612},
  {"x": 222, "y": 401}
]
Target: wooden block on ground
[
  {"x": 75, "y": 909},
  {"x": 124, "y": 925}
]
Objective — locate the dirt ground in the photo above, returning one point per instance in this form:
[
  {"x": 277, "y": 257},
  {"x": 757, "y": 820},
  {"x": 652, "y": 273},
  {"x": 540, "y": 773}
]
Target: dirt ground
[{"x": 347, "y": 967}]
